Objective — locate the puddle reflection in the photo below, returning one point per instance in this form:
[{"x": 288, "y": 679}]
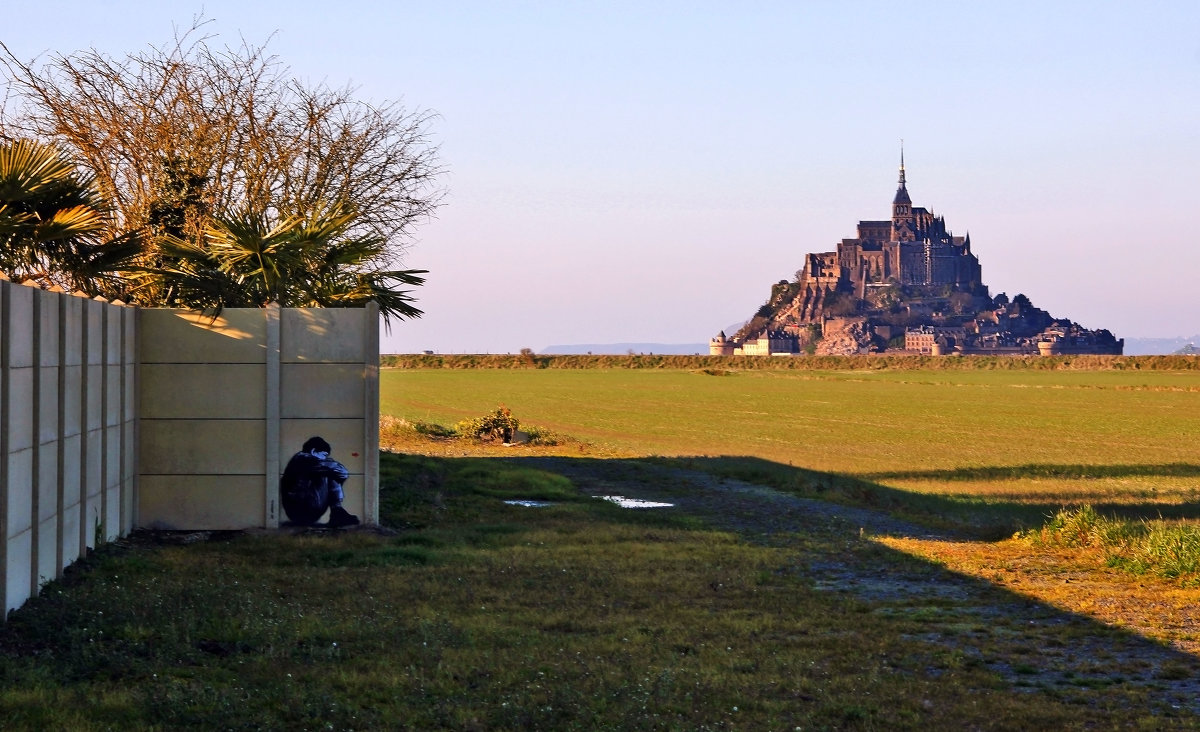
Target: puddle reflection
[
  {"x": 624, "y": 502},
  {"x": 621, "y": 501}
]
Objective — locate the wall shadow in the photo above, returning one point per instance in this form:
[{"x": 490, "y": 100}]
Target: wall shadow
[
  {"x": 1042, "y": 470},
  {"x": 982, "y": 517},
  {"x": 1029, "y": 644}
]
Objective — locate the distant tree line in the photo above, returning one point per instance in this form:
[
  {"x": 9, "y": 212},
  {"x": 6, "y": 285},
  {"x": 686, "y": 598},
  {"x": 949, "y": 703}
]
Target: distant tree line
[{"x": 727, "y": 365}]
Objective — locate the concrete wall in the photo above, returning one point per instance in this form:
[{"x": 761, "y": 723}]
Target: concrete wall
[
  {"x": 113, "y": 417},
  {"x": 68, "y": 424},
  {"x": 227, "y": 401}
]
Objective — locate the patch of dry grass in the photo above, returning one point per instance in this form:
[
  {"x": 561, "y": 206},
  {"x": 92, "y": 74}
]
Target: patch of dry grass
[{"x": 1075, "y": 579}]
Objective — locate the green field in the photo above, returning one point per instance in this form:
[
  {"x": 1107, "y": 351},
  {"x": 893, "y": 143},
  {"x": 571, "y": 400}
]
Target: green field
[
  {"x": 1120, "y": 437},
  {"x": 742, "y": 607}
]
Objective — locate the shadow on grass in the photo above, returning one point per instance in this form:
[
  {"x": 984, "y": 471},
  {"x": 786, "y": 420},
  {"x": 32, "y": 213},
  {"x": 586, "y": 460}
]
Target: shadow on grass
[
  {"x": 961, "y": 624},
  {"x": 1043, "y": 470},
  {"x": 982, "y": 517}
]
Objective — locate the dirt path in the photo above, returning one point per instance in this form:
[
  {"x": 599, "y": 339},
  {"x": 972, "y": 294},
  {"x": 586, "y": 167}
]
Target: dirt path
[{"x": 1031, "y": 645}]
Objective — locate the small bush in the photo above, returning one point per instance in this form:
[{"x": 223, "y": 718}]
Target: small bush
[{"x": 499, "y": 425}]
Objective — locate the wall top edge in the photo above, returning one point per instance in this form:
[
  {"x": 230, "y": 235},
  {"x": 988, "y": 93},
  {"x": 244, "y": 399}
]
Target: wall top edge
[
  {"x": 5, "y": 281},
  {"x": 56, "y": 290}
]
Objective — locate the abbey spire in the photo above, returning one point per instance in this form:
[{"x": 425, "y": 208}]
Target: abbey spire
[
  {"x": 903, "y": 226},
  {"x": 902, "y": 191}
]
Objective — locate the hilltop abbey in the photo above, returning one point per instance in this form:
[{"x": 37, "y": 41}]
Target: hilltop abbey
[
  {"x": 904, "y": 284},
  {"x": 914, "y": 248}
]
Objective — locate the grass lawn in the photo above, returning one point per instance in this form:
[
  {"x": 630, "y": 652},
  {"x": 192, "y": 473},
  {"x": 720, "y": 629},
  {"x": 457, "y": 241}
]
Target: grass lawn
[
  {"x": 471, "y": 614},
  {"x": 1043, "y": 438}
]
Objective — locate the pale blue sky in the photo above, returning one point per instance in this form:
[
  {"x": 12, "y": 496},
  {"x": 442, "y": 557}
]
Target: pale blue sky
[{"x": 642, "y": 171}]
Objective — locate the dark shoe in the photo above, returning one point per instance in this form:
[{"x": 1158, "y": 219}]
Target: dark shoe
[{"x": 339, "y": 517}]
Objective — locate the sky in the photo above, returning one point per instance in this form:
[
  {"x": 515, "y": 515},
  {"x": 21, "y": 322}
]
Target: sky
[{"x": 643, "y": 172}]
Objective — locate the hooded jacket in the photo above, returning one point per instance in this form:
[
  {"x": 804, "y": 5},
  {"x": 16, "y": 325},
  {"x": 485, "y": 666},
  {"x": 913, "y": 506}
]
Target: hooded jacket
[{"x": 311, "y": 483}]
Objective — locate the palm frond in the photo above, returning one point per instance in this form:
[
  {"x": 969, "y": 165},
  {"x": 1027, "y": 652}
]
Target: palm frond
[
  {"x": 246, "y": 259},
  {"x": 68, "y": 223},
  {"x": 29, "y": 169},
  {"x": 51, "y": 222}
]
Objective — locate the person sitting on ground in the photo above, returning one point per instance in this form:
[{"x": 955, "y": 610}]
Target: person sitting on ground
[{"x": 311, "y": 483}]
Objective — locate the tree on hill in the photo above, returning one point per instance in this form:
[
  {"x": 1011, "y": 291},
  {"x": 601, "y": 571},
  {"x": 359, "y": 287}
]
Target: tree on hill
[
  {"x": 189, "y": 136},
  {"x": 1021, "y": 303},
  {"x": 841, "y": 304},
  {"x": 54, "y": 224}
]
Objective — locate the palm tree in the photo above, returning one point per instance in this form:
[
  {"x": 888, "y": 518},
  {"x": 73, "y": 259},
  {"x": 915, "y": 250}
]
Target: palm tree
[
  {"x": 52, "y": 221},
  {"x": 244, "y": 260}
]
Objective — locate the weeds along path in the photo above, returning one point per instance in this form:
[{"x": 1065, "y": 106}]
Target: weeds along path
[{"x": 1030, "y": 645}]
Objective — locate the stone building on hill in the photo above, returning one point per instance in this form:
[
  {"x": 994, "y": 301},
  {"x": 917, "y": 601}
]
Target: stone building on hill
[
  {"x": 906, "y": 284},
  {"x": 913, "y": 248}
]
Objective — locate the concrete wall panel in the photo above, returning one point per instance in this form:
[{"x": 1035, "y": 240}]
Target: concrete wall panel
[
  {"x": 47, "y": 550},
  {"x": 47, "y": 482},
  {"x": 71, "y": 549},
  {"x": 203, "y": 501},
  {"x": 112, "y": 396},
  {"x": 198, "y": 447},
  {"x": 129, "y": 480},
  {"x": 129, "y": 449},
  {"x": 20, "y": 408},
  {"x": 324, "y": 335},
  {"x": 48, "y": 404},
  {"x": 20, "y": 335},
  {"x": 72, "y": 469},
  {"x": 112, "y": 515},
  {"x": 180, "y": 336},
  {"x": 130, "y": 376},
  {"x": 48, "y": 307},
  {"x": 321, "y": 391},
  {"x": 92, "y": 518},
  {"x": 72, "y": 335},
  {"x": 203, "y": 391},
  {"x": 19, "y": 511},
  {"x": 112, "y": 336},
  {"x": 93, "y": 316},
  {"x": 92, "y": 487},
  {"x": 93, "y": 478},
  {"x": 93, "y": 397},
  {"x": 130, "y": 353},
  {"x": 112, "y": 457},
  {"x": 20, "y": 557},
  {"x": 72, "y": 400}
]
